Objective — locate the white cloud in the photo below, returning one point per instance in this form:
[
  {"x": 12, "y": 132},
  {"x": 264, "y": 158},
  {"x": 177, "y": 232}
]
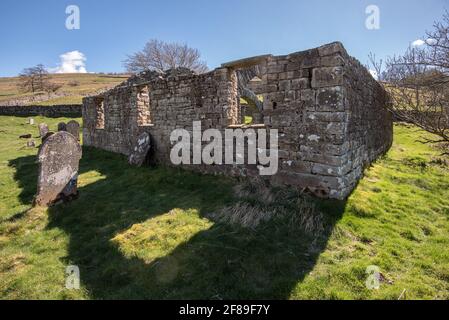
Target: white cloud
[
  {"x": 418, "y": 43},
  {"x": 374, "y": 74},
  {"x": 71, "y": 62}
]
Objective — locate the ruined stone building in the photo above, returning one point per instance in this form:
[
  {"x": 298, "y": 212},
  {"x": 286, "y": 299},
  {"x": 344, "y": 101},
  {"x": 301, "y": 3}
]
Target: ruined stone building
[{"x": 328, "y": 109}]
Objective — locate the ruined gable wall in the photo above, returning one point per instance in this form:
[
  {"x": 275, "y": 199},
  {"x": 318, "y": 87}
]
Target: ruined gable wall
[
  {"x": 305, "y": 102},
  {"x": 175, "y": 102},
  {"x": 330, "y": 107}
]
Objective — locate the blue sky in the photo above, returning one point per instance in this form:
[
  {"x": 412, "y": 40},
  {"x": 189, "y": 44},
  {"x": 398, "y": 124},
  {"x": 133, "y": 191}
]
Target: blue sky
[{"x": 33, "y": 32}]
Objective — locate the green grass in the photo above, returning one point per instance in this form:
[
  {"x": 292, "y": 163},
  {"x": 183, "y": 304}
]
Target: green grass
[
  {"x": 248, "y": 120},
  {"x": 150, "y": 232}
]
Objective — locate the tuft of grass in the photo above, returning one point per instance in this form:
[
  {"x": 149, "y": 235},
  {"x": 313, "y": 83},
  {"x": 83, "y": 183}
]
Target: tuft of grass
[
  {"x": 248, "y": 120},
  {"x": 258, "y": 202}
]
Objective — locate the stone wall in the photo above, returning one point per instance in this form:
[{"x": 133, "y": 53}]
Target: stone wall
[
  {"x": 175, "y": 101},
  {"x": 34, "y": 99},
  {"x": 46, "y": 111},
  {"x": 370, "y": 124},
  {"x": 327, "y": 108}
]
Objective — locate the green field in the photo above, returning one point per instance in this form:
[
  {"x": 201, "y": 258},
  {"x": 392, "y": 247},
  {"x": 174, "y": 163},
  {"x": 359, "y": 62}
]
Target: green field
[
  {"x": 74, "y": 86},
  {"x": 166, "y": 233}
]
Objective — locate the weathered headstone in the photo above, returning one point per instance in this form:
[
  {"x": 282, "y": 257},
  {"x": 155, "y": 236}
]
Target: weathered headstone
[
  {"x": 140, "y": 150},
  {"x": 58, "y": 160},
  {"x": 31, "y": 144},
  {"x": 62, "y": 126},
  {"x": 73, "y": 128},
  {"x": 43, "y": 130},
  {"x": 31, "y": 121}
]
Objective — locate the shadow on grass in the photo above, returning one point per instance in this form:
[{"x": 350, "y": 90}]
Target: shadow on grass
[{"x": 217, "y": 262}]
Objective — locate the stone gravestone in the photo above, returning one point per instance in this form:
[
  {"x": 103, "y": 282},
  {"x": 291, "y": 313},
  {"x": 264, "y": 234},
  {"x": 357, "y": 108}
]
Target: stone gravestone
[
  {"x": 140, "y": 150},
  {"x": 73, "y": 128},
  {"x": 58, "y": 158},
  {"x": 62, "y": 126},
  {"x": 43, "y": 130},
  {"x": 31, "y": 121}
]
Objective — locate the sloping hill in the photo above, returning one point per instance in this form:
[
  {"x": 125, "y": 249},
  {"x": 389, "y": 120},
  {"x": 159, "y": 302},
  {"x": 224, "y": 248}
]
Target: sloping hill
[{"x": 74, "y": 87}]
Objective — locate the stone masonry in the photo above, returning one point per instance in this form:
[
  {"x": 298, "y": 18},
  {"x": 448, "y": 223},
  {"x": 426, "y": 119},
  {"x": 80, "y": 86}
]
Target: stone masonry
[{"x": 329, "y": 111}]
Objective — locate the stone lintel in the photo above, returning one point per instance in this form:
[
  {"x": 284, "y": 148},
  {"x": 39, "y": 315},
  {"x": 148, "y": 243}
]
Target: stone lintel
[{"x": 246, "y": 62}]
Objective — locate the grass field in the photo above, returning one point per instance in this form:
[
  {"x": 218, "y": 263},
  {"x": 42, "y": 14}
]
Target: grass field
[
  {"x": 75, "y": 86},
  {"x": 161, "y": 233}
]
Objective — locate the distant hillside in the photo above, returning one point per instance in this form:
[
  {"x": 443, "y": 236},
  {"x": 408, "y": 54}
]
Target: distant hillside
[{"x": 74, "y": 87}]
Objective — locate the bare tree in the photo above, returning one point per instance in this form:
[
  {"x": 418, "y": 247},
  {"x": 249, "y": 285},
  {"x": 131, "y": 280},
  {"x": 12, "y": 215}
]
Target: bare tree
[
  {"x": 160, "y": 56},
  {"x": 438, "y": 44},
  {"x": 27, "y": 80},
  {"x": 376, "y": 65},
  {"x": 418, "y": 82},
  {"x": 34, "y": 79}
]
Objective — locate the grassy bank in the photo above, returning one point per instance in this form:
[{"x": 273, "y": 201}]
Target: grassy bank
[
  {"x": 74, "y": 86},
  {"x": 164, "y": 233}
]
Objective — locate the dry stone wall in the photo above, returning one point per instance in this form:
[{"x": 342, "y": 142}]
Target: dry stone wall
[
  {"x": 56, "y": 111},
  {"x": 329, "y": 112}
]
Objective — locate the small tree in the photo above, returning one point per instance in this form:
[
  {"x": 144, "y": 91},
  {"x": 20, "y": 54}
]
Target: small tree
[
  {"x": 418, "y": 82},
  {"x": 27, "y": 80},
  {"x": 34, "y": 79},
  {"x": 160, "y": 56}
]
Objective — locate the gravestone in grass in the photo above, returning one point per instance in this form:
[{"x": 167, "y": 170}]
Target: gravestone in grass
[
  {"x": 140, "y": 150},
  {"x": 73, "y": 128},
  {"x": 43, "y": 130},
  {"x": 62, "y": 126},
  {"x": 58, "y": 158}
]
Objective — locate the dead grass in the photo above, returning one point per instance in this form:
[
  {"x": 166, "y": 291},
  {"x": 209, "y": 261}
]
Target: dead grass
[{"x": 258, "y": 203}]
